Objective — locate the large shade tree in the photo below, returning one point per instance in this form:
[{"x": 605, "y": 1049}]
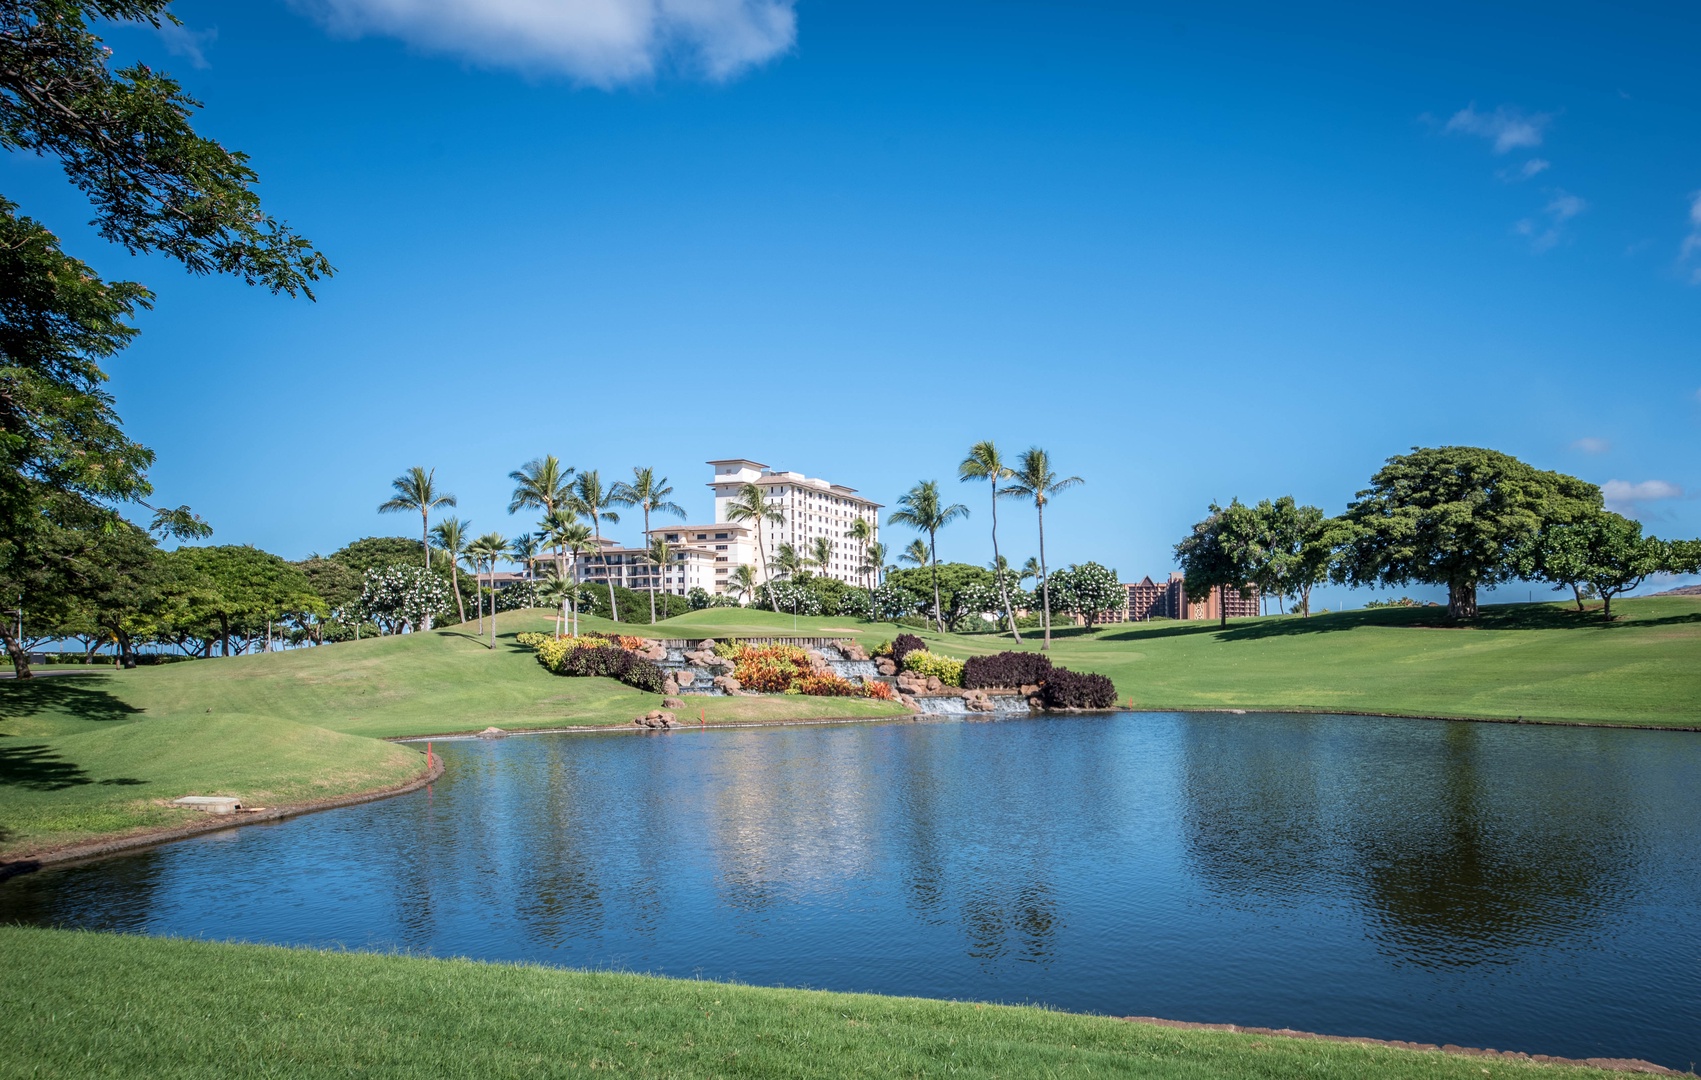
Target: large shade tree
[
  {"x": 1297, "y": 545},
  {"x": 1456, "y": 516},
  {"x": 1223, "y": 551},
  {"x": 1601, "y": 551}
]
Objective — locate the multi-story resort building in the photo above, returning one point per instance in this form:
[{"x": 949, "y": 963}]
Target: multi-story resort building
[
  {"x": 1149, "y": 600},
  {"x": 705, "y": 556}
]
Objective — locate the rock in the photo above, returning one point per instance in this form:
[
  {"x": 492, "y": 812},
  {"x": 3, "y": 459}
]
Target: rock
[
  {"x": 853, "y": 651},
  {"x": 1035, "y": 702},
  {"x": 671, "y": 702},
  {"x": 977, "y": 701},
  {"x": 492, "y": 733},
  {"x": 654, "y": 651},
  {"x": 817, "y": 662},
  {"x": 1028, "y": 690},
  {"x": 655, "y": 718},
  {"x": 729, "y": 685},
  {"x": 885, "y": 666},
  {"x": 684, "y": 678},
  {"x": 911, "y": 683},
  {"x": 909, "y": 702},
  {"x": 934, "y": 686},
  {"x": 670, "y": 685},
  {"x": 707, "y": 645}
]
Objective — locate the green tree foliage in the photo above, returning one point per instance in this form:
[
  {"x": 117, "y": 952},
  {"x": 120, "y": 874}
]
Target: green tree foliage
[
  {"x": 924, "y": 510},
  {"x": 1034, "y": 479},
  {"x": 984, "y": 462},
  {"x": 1223, "y": 551},
  {"x": 1088, "y": 591},
  {"x": 1602, "y": 550},
  {"x": 1296, "y": 546},
  {"x": 401, "y": 596},
  {"x": 238, "y": 591},
  {"x": 1456, "y": 516}
]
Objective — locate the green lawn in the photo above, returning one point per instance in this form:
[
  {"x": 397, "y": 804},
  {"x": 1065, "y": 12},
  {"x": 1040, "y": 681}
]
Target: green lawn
[{"x": 77, "y": 1005}]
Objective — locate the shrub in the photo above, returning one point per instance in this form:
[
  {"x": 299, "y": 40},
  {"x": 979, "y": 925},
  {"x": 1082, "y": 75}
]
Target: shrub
[
  {"x": 1006, "y": 669},
  {"x": 1065, "y": 689},
  {"x": 883, "y": 648},
  {"x": 728, "y": 650},
  {"x": 769, "y": 669},
  {"x": 922, "y": 662},
  {"x": 531, "y": 639},
  {"x": 827, "y": 684},
  {"x": 905, "y": 644},
  {"x": 878, "y": 690},
  {"x": 612, "y": 662}
]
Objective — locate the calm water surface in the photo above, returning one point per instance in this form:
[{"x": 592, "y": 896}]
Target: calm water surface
[{"x": 1524, "y": 888}]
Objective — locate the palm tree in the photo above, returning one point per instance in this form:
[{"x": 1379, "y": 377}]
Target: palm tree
[
  {"x": 1034, "y": 479},
  {"x": 649, "y": 492},
  {"x": 743, "y": 583},
  {"x": 985, "y": 463},
  {"x": 558, "y": 592},
  {"x": 485, "y": 551},
  {"x": 523, "y": 549},
  {"x": 915, "y": 554},
  {"x": 787, "y": 562},
  {"x": 821, "y": 554},
  {"x": 416, "y": 490},
  {"x": 451, "y": 537},
  {"x": 565, "y": 533},
  {"x": 924, "y": 512},
  {"x": 861, "y": 532},
  {"x": 753, "y": 505},
  {"x": 590, "y": 499},
  {"x": 659, "y": 553},
  {"x": 542, "y": 484},
  {"x": 873, "y": 556}
]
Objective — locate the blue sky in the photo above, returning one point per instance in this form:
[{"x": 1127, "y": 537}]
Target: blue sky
[{"x": 1197, "y": 252}]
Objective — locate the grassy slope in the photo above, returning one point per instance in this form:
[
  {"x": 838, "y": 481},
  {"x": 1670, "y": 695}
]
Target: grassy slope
[{"x": 92, "y": 1005}]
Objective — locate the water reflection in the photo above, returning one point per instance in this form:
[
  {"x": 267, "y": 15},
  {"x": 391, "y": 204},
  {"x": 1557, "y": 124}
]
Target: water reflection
[{"x": 1528, "y": 888}]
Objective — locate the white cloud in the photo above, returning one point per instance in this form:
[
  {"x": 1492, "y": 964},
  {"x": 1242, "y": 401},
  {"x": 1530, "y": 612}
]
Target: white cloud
[
  {"x": 189, "y": 44},
  {"x": 604, "y": 42},
  {"x": 1591, "y": 445},
  {"x": 1627, "y": 498},
  {"x": 1545, "y": 235},
  {"x": 1692, "y": 242},
  {"x": 1508, "y": 127},
  {"x": 1532, "y": 167}
]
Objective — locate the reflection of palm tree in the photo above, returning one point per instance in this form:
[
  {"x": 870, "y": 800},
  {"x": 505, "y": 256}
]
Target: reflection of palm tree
[
  {"x": 542, "y": 484},
  {"x": 659, "y": 553},
  {"x": 487, "y": 549},
  {"x": 754, "y": 506},
  {"x": 648, "y": 492},
  {"x": 590, "y": 499},
  {"x": 924, "y": 511},
  {"x": 1034, "y": 479},
  {"x": 742, "y": 583},
  {"x": 416, "y": 489},
  {"x": 985, "y": 463},
  {"x": 452, "y": 541}
]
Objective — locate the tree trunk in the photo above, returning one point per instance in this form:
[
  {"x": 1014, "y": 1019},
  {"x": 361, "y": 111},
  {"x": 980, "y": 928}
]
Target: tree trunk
[
  {"x": 15, "y": 650},
  {"x": 998, "y": 569},
  {"x": 425, "y": 541},
  {"x": 607, "y": 578},
  {"x": 455, "y": 576},
  {"x": 493, "y": 603},
  {"x": 1045, "y": 581},
  {"x": 655, "y": 581},
  {"x": 224, "y": 634},
  {"x": 1606, "y": 604},
  {"x": 1578, "y": 590},
  {"x": 762, "y": 550},
  {"x": 126, "y": 649},
  {"x": 933, "y": 564},
  {"x": 1462, "y": 600},
  {"x": 1222, "y": 606}
]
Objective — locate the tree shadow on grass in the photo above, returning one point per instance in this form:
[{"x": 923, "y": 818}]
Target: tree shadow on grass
[
  {"x": 39, "y": 768},
  {"x": 71, "y": 697},
  {"x": 1492, "y": 617}
]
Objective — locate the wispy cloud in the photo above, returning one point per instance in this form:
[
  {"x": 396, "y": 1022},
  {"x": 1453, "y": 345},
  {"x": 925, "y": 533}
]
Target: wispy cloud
[
  {"x": 1591, "y": 445},
  {"x": 1546, "y": 234},
  {"x": 1692, "y": 242},
  {"x": 1530, "y": 168},
  {"x": 1508, "y": 127},
  {"x": 190, "y": 44},
  {"x": 1630, "y": 499},
  {"x": 602, "y": 42}
]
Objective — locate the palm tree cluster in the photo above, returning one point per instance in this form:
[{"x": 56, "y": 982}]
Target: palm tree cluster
[{"x": 1032, "y": 478}]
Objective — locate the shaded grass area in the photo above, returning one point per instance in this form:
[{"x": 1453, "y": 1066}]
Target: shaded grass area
[{"x": 78, "y": 1004}]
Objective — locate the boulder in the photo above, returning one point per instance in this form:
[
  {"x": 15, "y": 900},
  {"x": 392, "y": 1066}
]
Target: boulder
[
  {"x": 977, "y": 701},
  {"x": 670, "y": 685},
  {"x": 885, "y": 666},
  {"x": 729, "y": 685},
  {"x": 1028, "y": 690},
  {"x": 911, "y": 683},
  {"x": 655, "y": 718},
  {"x": 1036, "y": 702},
  {"x": 707, "y": 645},
  {"x": 683, "y": 678},
  {"x": 817, "y": 662},
  {"x": 853, "y": 651},
  {"x": 934, "y": 686},
  {"x": 492, "y": 733},
  {"x": 717, "y": 663},
  {"x": 654, "y": 651},
  {"x": 671, "y": 702}
]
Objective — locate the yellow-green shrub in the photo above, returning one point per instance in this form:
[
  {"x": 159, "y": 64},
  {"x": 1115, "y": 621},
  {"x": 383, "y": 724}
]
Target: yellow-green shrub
[
  {"x": 531, "y": 639},
  {"x": 922, "y": 662}
]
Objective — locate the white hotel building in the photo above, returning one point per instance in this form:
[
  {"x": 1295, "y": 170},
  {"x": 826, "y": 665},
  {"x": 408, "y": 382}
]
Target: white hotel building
[{"x": 704, "y": 556}]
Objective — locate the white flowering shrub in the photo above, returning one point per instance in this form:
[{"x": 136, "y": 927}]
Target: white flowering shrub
[
  {"x": 518, "y": 596},
  {"x": 792, "y": 598},
  {"x": 1087, "y": 590},
  {"x": 401, "y": 595}
]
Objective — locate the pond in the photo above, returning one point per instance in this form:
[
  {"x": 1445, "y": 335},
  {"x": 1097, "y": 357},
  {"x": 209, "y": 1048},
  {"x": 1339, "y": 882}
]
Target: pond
[{"x": 1525, "y": 888}]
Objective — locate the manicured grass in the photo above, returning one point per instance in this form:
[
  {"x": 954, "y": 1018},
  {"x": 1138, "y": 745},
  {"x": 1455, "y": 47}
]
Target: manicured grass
[
  {"x": 78, "y": 1005},
  {"x": 100, "y": 754}
]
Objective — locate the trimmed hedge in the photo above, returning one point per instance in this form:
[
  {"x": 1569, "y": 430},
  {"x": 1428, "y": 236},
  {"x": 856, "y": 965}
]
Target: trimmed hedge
[
  {"x": 1006, "y": 669},
  {"x": 1065, "y": 689},
  {"x": 903, "y": 646}
]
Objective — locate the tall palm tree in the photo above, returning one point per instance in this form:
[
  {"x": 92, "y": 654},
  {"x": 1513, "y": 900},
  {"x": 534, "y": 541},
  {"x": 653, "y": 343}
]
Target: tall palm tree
[
  {"x": 985, "y": 463},
  {"x": 648, "y": 492},
  {"x": 915, "y": 554},
  {"x": 787, "y": 562},
  {"x": 416, "y": 489},
  {"x": 659, "y": 554},
  {"x": 743, "y": 582},
  {"x": 558, "y": 592},
  {"x": 590, "y": 499},
  {"x": 542, "y": 484},
  {"x": 565, "y": 533},
  {"x": 1034, "y": 479},
  {"x": 523, "y": 549},
  {"x": 863, "y": 533},
  {"x": 485, "y": 551},
  {"x": 924, "y": 511},
  {"x": 873, "y": 558},
  {"x": 821, "y": 554},
  {"x": 753, "y": 505},
  {"x": 451, "y": 536}
]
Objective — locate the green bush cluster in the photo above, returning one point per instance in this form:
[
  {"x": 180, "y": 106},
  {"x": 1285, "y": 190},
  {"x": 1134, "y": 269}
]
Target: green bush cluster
[
  {"x": 922, "y": 662},
  {"x": 531, "y": 639}
]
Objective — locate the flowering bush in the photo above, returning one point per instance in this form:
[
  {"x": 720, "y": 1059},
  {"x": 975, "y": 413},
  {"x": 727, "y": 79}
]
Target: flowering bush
[
  {"x": 552, "y": 651},
  {"x": 878, "y": 690},
  {"x": 402, "y": 594},
  {"x": 1006, "y": 669},
  {"x": 827, "y": 684},
  {"x": 518, "y": 596},
  {"x": 1088, "y": 591},
  {"x": 922, "y": 662},
  {"x": 793, "y": 598}
]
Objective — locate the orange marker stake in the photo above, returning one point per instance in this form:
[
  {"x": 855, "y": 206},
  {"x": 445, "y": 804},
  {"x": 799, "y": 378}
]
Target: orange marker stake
[{"x": 702, "y": 724}]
